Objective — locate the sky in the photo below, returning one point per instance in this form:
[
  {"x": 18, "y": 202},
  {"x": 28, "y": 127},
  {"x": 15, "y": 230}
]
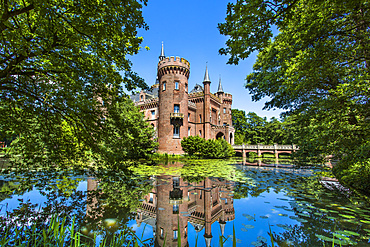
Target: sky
[{"x": 188, "y": 29}]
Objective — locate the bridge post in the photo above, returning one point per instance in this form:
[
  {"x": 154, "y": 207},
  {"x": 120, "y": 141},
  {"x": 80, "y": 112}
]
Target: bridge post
[
  {"x": 244, "y": 153},
  {"x": 258, "y": 150},
  {"x": 276, "y": 151}
]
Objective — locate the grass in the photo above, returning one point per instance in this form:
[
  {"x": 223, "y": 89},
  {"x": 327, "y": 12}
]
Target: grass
[{"x": 57, "y": 233}]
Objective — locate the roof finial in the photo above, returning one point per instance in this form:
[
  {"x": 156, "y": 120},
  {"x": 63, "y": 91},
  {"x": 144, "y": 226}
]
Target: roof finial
[
  {"x": 206, "y": 75},
  {"x": 220, "y": 90},
  {"x": 162, "y": 56}
]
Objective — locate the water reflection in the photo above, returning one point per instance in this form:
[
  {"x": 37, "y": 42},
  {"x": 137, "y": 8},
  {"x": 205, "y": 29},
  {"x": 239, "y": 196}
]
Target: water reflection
[
  {"x": 174, "y": 202},
  {"x": 182, "y": 202}
]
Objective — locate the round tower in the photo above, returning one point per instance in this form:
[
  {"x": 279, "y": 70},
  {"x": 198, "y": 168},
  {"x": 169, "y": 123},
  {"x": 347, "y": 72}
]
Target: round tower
[{"x": 173, "y": 74}]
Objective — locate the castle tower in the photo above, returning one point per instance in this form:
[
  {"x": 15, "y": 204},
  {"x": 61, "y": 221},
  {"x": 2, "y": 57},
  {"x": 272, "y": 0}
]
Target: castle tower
[
  {"x": 173, "y": 75},
  {"x": 207, "y": 105}
]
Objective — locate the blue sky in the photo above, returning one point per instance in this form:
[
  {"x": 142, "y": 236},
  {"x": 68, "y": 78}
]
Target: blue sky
[{"x": 188, "y": 29}]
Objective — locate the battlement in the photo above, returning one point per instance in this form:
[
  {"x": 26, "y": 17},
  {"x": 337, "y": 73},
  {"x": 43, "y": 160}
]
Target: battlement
[
  {"x": 174, "y": 65},
  {"x": 228, "y": 96}
]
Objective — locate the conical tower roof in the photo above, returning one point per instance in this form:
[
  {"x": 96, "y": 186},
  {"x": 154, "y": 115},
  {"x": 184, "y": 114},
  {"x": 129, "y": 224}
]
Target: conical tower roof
[
  {"x": 162, "y": 56},
  {"x": 220, "y": 90},
  {"x": 206, "y": 75}
]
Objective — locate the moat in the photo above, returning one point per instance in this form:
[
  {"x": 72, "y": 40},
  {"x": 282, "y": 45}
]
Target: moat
[{"x": 200, "y": 204}]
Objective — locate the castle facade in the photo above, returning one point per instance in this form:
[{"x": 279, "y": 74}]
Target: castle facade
[{"x": 175, "y": 113}]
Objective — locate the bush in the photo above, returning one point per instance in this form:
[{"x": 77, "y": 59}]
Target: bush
[{"x": 213, "y": 149}]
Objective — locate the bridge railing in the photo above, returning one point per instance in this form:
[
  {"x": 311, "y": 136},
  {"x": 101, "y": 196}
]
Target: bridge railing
[{"x": 266, "y": 147}]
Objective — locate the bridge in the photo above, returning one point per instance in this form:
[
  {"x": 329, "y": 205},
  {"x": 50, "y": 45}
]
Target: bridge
[{"x": 260, "y": 149}]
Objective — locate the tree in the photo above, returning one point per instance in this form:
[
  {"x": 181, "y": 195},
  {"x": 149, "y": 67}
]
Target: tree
[
  {"x": 61, "y": 62},
  {"x": 126, "y": 134},
  {"x": 316, "y": 68},
  {"x": 240, "y": 124}
]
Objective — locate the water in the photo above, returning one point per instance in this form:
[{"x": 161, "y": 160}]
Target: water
[{"x": 206, "y": 201}]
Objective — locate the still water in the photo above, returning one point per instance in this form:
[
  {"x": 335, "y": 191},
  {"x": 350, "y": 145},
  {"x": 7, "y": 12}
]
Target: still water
[{"x": 200, "y": 203}]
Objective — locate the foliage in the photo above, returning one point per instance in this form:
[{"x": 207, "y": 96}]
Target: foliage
[
  {"x": 58, "y": 233},
  {"x": 126, "y": 134},
  {"x": 356, "y": 172},
  {"x": 219, "y": 148},
  {"x": 62, "y": 64},
  {"x": 253, "y": 129},
  {"x": 316, "y": 68},
  {"x": 191, "y": 144}
]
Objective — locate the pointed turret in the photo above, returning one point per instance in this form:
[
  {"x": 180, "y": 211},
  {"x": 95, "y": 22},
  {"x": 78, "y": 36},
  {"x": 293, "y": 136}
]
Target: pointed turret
[
  {"x": 206, "y": 76},
  {"x": 220, "y": 90},
  {"x": 162, "y": 56}
]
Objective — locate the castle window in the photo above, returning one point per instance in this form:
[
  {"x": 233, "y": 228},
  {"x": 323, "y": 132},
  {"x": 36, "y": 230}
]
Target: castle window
[
  {"x": 186, "y": 87},
  {"x": 161, "y": 233},
  {"x": 188, "y": 131},
  {"x": 175, "y": 210},
  {"x": 224, "y": 124},
  {"x": 188, "y": 116},
  {"x": 176, "y": 131},
  {"x": 164, "y": 86},
  {"x": 200, "y": 133},
  {"x": 224, "y": 110},
  {"x": 153, "y": 113},
  {"x": 176, "y": 85},
  {"x": 175, "y": 234},
  {"x": 176, "y": 108},
  {"x": 200, "y": 117},
  {"x": 175, "y": 182},
  {"x": 141, "y": 97},
  {"x": 151, "y": 197}
]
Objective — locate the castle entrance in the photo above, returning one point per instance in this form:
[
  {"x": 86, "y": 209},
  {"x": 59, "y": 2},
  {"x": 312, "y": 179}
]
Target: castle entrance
[{"x": 220, "y": 135}]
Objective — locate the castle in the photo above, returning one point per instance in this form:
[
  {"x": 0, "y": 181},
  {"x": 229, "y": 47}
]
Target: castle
[{"x": 176, "y": 114}]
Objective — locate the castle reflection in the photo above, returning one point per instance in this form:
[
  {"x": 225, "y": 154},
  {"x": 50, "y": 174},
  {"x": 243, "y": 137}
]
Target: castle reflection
[{"x": 175, "y": 202}]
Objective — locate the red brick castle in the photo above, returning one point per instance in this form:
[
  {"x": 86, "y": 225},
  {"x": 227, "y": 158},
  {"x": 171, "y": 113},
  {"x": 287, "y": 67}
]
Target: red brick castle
[{"x": 176, "y": 114}]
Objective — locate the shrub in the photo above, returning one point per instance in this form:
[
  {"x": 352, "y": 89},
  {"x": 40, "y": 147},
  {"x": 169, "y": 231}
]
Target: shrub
[{"x": 207, "y": 148}]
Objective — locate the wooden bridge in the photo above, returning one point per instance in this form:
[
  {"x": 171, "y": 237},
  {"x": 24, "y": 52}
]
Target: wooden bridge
[{"x": 260, "y": 149}]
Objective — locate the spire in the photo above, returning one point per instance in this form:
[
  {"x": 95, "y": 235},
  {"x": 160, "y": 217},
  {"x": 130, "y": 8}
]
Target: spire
[
  {"x": 206, "y": 76},
  {"x": 220, "y": 90},
  {"x": 162, "y": 56}
]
